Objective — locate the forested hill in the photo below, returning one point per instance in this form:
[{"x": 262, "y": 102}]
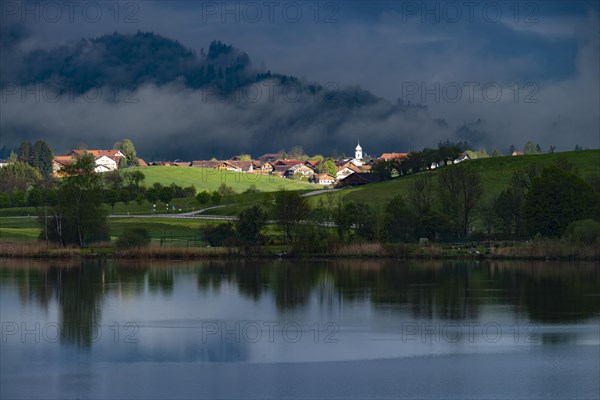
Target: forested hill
[
  {"x": 144, "y": 57},
  {"x": 136, "y": 59},
  {"x": 161, "y": 69}
]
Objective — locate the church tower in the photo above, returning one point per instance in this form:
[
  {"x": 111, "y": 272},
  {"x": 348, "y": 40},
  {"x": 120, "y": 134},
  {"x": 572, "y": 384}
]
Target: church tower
[{"x": 358, "y": 155}]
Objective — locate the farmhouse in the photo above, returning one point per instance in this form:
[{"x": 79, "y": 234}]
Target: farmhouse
[
  {"x": 299, "y": 170},
  {"x": 106, "y": 164},
  {"x": 243, "y": 166},
  {"x": 361, "y": 178},
  {"x": 59, "y": 162},
  {"x": 105, "y": 160},
  {"x": 226, "y": 165},
  {"x": 323, "y": 179},
  {"x": 281, "y": 166}
]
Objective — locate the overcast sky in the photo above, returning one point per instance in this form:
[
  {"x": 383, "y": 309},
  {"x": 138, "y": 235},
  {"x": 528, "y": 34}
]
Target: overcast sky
[{"x": 526, "y": 71}]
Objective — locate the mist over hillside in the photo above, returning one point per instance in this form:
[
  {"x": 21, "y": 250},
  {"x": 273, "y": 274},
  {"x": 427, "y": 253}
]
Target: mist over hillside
[{"x": 175, "y": 103}]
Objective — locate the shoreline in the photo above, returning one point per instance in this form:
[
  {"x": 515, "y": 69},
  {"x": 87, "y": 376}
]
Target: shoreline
[{"x": 547, "y": 250}]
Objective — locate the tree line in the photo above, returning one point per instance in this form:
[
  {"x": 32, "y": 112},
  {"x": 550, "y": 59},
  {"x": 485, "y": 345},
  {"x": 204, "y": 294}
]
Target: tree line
[{"x": 553, "y": 201}]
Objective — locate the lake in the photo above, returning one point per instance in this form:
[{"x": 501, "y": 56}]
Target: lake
[{"x": 299, "y": 330}]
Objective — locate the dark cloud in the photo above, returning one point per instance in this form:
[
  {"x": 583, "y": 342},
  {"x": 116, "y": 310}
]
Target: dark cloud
[{"x": 372, "y": 45}]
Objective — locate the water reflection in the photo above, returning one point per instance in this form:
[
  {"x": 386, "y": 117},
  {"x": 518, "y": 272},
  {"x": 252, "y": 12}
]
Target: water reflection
[{"x": 452, "y": 291}]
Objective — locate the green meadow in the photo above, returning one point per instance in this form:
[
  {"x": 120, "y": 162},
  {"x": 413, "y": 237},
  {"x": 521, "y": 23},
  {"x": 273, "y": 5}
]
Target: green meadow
[
  {"x": 210, "y": 179},
  {"x": 13, "y": 228},
  {"x": 496, "y": 174}
]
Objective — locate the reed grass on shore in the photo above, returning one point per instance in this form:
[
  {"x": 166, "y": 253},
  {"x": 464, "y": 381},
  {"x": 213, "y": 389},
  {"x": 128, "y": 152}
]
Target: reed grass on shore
[
  {"x": 537, "y": 249},
  {"x": 29, "y": 249}
]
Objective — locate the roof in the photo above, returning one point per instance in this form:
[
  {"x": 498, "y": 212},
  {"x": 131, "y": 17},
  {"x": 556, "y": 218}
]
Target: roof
[
  {"x": 289, "y": 163},
  {"x": 299, "y": 166},
  {"x": 364, "y": 177},
  {"x": 97, "y": 153},
  {"x": 389, "y": 156},
  {"x": 343, "y": 161},
  {"x": 63, "y": 160},
  {"x": 214, "y": 164},
  {"x": 358, "y": 147},
  {"x": 243, "y": 165},
  {"x": 518, "y": 153},
  {"x": 325, "y": 177},
  {"x": 312, "y": 163},
  {"x": 143, "y": 163}
]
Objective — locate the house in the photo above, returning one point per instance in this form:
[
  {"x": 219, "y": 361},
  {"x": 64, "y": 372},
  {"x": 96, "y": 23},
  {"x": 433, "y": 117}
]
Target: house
[
  {"x": 106, "y": 160},
  {"x": 106, "y": 164},
  {"x": 242, "y": 166},
  {"x": 264, "y": 168},
  {"x": 281, "y": 166},
  {"x": 226, "y": 165},
  {"x": 391, "y": 156},
  {"x": 323, "y": 179},
  {"x": 299, "y": 169},
  {"x": 3, "y": 163},
  {"x": 462, "y": 157},
  {"x": 343, "y": 172},
  {"x": 97, "y": 153},
  {"x": 59, "y": 162},
  {"x": 361, "y": 178},
  {"x": 312, "y": 163},
  {"x": 143, "y": 163},
  {"x": 518, "y": 153}
]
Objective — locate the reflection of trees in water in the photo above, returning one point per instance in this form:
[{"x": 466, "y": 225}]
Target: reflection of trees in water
[
  {"x": 553, "y": 292},
  {"x": 80, "y": 295},
  {"x": 427, "y": 291},
  {"x": 291, "y": 284},
  {"x": 161, "y": 280},
  {"x": 547, "y": 292}
]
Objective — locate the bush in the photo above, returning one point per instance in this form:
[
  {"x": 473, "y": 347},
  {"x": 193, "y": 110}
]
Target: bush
[
  {"x": 133, "y": 238},
  {"x": 252, "y": 189},
  {"x": 219, "y": 235},
  {"x": 225, "y": 190},
  {"x": 203, "y": 197},
  {"x": 586, "y": 231}
]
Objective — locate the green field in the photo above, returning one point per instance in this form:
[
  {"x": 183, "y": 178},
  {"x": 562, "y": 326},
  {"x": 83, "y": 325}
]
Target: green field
[
  {"x": 210, "y": 179},
  {"x": 167, "y": 228},
  {"x": 19, "y": 229},
  {"x": 495, "y": 172}
]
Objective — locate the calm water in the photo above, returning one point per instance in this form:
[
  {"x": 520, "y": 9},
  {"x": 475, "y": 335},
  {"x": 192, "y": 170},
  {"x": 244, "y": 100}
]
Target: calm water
[{"x": 344, "y": 330}]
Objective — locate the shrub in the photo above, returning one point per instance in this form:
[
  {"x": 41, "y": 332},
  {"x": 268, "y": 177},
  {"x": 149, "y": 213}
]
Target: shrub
[
  {"x": 219, "y": 235},
  {"x": 203, "y": 197},
  {"x": 225, "y": 190},
  {"x": 133, "y": 238},
  {"x": 585, "y": 231}
]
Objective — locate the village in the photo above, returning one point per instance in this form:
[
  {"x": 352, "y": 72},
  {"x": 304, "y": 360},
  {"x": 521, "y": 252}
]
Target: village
[{"x": 332, "y": 172}]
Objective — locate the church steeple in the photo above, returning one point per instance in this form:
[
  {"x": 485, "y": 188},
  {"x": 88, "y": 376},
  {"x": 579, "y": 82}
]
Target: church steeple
[{"x": 358, "y": 155}]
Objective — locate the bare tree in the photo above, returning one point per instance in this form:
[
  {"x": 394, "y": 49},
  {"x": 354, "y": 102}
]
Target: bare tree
[
  {"x": 460, "y": 190},
  {"x": 420, "y": 194}
]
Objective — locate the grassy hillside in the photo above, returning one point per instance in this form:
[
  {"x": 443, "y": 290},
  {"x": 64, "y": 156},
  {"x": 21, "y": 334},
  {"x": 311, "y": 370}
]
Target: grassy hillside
[
  {"x": 496, "y": 174},
  {"x": 211, "y": 179}
]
